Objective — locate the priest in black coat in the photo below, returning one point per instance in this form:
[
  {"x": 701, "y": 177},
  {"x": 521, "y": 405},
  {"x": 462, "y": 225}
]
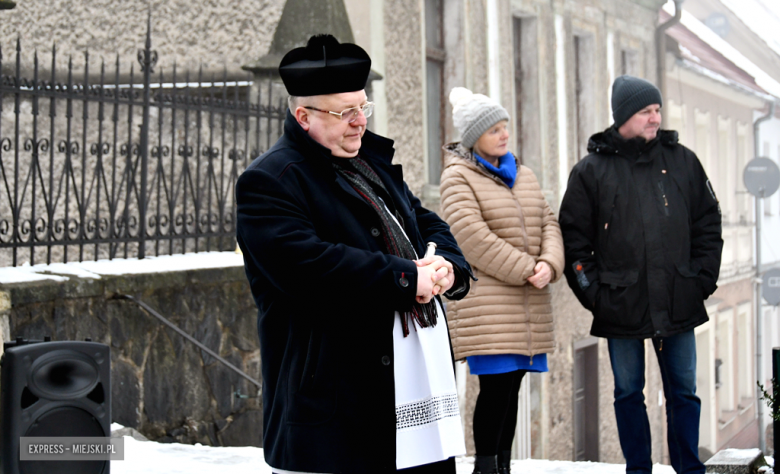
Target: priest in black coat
[{"x": 334, "y": 243}]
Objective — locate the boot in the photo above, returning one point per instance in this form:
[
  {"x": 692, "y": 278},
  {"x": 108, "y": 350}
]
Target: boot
[
  {"x": 504, "y": 461},
  {"x": 485, "y": 465}
]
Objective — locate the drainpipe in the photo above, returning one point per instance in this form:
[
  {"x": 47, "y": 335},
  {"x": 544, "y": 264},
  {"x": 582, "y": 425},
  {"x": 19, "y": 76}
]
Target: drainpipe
[
  {"x": 759, "y": 319},
  {"x": 660, "y": 48}
]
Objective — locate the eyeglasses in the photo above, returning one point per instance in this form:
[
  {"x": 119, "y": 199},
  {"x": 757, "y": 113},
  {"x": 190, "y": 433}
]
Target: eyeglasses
[{"x": 351, "y": 114}]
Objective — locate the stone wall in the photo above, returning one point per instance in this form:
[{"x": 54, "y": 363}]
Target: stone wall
[{"x": 161, "y": 384}]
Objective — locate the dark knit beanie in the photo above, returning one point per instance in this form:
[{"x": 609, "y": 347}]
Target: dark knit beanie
[{"x": 630, "y": 95}]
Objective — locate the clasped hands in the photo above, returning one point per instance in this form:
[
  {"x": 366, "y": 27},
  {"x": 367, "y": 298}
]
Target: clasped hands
[
  {"x": 434, "y": 276},
  {"x": 542, "y": 275}
]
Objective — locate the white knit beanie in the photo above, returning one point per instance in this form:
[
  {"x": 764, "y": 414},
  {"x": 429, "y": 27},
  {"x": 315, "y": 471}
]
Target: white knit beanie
[{"x": 473, "y": 114}]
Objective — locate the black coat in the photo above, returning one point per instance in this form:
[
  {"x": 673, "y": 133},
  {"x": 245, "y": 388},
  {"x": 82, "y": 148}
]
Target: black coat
[
  {"x": 326, "y": 295},
  {"x": 642, "y": 234}
]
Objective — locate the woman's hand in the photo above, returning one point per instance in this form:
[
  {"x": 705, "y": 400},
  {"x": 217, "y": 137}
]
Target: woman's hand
[{"x": 542, "y": 275}]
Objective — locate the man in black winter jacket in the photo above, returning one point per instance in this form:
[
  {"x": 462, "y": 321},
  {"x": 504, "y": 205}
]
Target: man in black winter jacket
[{"x": 642, "y": 233}]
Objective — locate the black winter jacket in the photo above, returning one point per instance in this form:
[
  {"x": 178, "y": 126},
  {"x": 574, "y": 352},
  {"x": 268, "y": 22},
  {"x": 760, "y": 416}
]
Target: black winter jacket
[
  {"x": 326, "y": 295},
  {"x": 642, "y": 234}
]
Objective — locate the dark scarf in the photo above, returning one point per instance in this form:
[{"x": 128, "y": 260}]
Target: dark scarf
[{"x": 369, "y": 186}]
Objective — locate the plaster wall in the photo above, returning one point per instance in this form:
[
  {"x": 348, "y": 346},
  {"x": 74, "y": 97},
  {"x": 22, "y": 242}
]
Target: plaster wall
[
  {"x": 715, "y": 121},
  {"x": 769, "y": 146},
  {"x": 217, "y": 34}
]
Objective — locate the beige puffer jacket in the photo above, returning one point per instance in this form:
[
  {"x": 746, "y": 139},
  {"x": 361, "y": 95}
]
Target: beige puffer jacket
[{"x": 503, "y": 233}]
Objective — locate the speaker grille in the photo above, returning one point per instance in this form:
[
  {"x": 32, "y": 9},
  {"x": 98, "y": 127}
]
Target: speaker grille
[{"x": 64, "y": 421}]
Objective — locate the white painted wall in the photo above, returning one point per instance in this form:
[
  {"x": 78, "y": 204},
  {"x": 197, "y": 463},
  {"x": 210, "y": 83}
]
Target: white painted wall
[{"x": 769, "y": 146}]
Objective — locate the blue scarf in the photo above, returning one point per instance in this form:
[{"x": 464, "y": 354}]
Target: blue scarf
[{"x": 507, "y": 168}]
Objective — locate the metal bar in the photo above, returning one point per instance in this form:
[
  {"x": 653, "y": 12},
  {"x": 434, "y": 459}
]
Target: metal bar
[
  {"x": 146, "y": 67},
  {"x": 68, "y": 158},
  {"x": 210, "y": 169},
  {"x": 213, "y": 235},
  {"x": 128, "y": 171},
  {"x": 159, "y": 176},
  {"x": 279, "y": 122},
  {"x": 202, "y": 347},
  {"x": 17, "y": 99},
  {"x": 759, "y": 322},
  {"x": 186, "y": 173},
  {"x": 222, "y": 199},
  {"x": 35, "y": 146},
  {"x": 759, "y": 317},
  {"x": 2, "y": 146},
  {"x": 99, "y": 155},
  {"x": 199, "y": 198},
  {"x": 114, "y": 191},
  {"x": 268, "y": 127},
  {"x": 173, "y": 193},
  {"x": 83, "y": 201},
  {"x": 52, "y": 118},
  {"x": 247, "y": 124}
]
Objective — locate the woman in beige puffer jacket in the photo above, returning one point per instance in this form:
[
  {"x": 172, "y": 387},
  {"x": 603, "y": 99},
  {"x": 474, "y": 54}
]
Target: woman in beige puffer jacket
[{"x": 511, "y": 238}]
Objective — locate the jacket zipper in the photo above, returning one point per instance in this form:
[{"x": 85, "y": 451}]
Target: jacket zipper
[
  {"x": 525, "y": 247},
  {"x": 663, "y": 195},
  {"x": 525, "y": 287}
]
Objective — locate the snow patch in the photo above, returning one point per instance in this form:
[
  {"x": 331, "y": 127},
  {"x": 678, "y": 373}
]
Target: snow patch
[{"x": 120, "y": 266}]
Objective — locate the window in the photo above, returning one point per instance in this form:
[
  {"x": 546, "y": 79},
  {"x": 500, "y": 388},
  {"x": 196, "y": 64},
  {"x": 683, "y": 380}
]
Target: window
[
  {"x": 725, "y": 167},
  {"x": 629, "y": 62},
  {"x": 745, "y": 350},
  {"x": 527, "y": 126},
  {"x": 434, "y": 76},
  {"x": 675, "y": 114},
  {"x": 742, "y": 196},
  {"x": 584, "y": 59},
  {"x": 725, "y": 371}
]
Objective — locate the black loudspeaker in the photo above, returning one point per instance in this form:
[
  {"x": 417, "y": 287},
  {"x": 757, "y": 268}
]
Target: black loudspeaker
[{"x": 54, "y": 389}]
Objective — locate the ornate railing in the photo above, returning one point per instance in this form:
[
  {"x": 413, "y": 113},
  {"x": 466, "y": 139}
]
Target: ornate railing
[{"x": 123, "y": 168}]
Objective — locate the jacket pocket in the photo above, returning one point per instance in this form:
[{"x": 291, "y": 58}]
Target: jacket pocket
[
  {"x": 609, "y": 214},
  {"x": 312, "y": 398},
  {"x": 310, "y": 364},
  {"x": 687, "y": 294},
  {"x": 618, "y": 279},
  {"x": 616, "y": 300}
]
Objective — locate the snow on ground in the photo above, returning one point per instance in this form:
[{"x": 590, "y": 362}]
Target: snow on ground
[
  {"x": 147, "y": 457},
  {"x": 120, "y": 266}
]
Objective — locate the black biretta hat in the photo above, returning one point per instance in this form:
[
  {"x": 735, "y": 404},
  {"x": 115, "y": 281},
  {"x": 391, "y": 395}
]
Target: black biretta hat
[{"x": 325, "y": 66}]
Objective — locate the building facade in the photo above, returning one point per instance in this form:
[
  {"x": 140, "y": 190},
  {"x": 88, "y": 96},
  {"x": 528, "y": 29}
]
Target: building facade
[{"x": 551, "y": 64}]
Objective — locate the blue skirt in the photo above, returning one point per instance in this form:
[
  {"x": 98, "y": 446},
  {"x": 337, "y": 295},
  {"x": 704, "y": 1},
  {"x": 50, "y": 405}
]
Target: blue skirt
[{"x": 503, "y": 363}]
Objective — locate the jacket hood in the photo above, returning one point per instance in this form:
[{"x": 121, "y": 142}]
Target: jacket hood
[{"x": 610, "y": 142}]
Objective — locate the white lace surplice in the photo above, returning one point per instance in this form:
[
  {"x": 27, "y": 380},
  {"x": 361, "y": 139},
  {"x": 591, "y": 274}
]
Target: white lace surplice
[
  {"x": 428, "y": 426},
  {"x": 428, "y": 423}
]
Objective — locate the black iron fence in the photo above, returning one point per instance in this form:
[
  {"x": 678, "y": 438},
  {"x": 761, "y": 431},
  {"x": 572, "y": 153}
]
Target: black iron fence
[{"x": 126, "y": 167}]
